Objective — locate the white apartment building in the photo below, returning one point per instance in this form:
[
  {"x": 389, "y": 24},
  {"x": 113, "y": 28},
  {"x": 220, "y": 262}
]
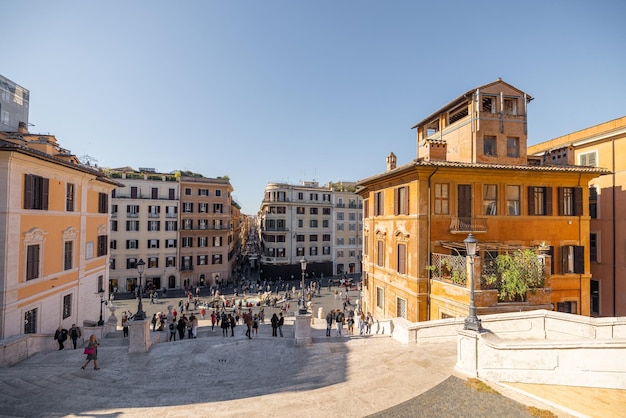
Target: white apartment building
[{"x": 311, "y": 222}]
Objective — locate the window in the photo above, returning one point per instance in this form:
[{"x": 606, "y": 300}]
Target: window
[
  {"x": 312, "y": 238},
  {"x": 326, "y": 237},
  {"x": 588, "y": 159},
  {"x": 326, "y": 250},
  {"x": 69, "y": 197},
  {"x": 103, "y": 203},
  {"x": 154, "y": 225},
  {"x": 570, "y": 201},
  {"x": 112, "y": 264},
  {"x": 171, "y": 225},
  {"x": 313, "y": 223},
  {"x": 171, "y": 194},
  {"x": 187, "y": 224},
  {"x": 154, "y": 211},
  {"x": 351, "y": 241},
  {"x": 379, "y": 209},
  {"x": 203, "y": 224},
  {"x": 218, "y": 208},
  {"x": 30, "y": 321},
  {"x": 340, "y": 216},
  {"x": 32, "y": 261},
  {"x": 593, "y": 202},
  {"x": 153, "y": 262},
  {"x": 187, "y": 207},
  {"x": 489, "y": 104},
  {"x": 325, "y": 211},
  {"x": 400, "y": 308},
  {"x": 217, "y": 241},
  {"x": 203, "y": 260},
  {"x": 154, "y": 193},
  {"x": 340, "y": 241},
  {"x": 203, "y": 207},
  {"x": 113, "y": 225},
  {"x": 186, "y": 263},
  {"x": 153, "y": 243},
  {"x": 313, "y": 251},
  {"x": 593, "y": 247},
  {"x": 35, "y": 192},
  {"x": 113, "y": 210},
  {"x": 512, "y": 200},
  {"x": 510, "y": 106},
  {"x": 171, "y": 212},
  {"x": 489, "y": 146},
  {"x": 300, "y": 223},
  {"x": 380, "y": 297},
  {"x": 132, "y": 211},
  {"x": 218, "y": 193},
  {"x": 401, "y": 258},
  {"x": 400, "y": 201},
  {"x": 300, "y": 196},
  {"x": 300, "y": 238},
  {"x": 133, "y": 192},
  {"x": 380, "y": 255},
  {"x": 313, "y": 196},
  {"x": 572, "y": 259},
  {"x": 103, "y": 245},
  {"x": 442, "y": 198},
  {"x": 340, "y": 227},
  {"x": 217, "y": 259},
  {"x": 203, "y": 192},
  {"x": 366, "y": 208},
  {"x": 113, "y": 244},
  {"x": 325, "y": 223},
  {"x": 299, "y": 251},
  {"x": 132, "y": 244},
  {"x": 300, "y": 210},
  {"x": 187, "y": 242},
  {"x": 170, "y": 243},
  {"x": 313, "y": 211},
  {"x": 67, "y": 306},
  {"x": 68, "y": 253},
  {"x": 490, "y": 199},
  {"x": 512, "y": 147},
  {"x": 594, "y": 288},
  {"x": 187, "y": 191},
  {"x": 567, "y": 307},
  {"x": 540, "y": 201},
  {"x": 170, "y": 261},
  {"x": 340, "y": 268}
]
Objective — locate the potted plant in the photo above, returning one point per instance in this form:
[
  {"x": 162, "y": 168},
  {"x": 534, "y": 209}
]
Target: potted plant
[{"x": 517, "y": 273}]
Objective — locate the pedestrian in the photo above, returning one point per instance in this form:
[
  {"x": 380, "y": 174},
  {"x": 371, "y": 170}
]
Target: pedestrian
[
  {"x": 92, "y": 352},
  {"x": 362, "y": 323},
  {"x": 329, "y": 322},
  {"x": 213, "y": 320},
  {"x": 339, "y": 318},
  {"x": 194, "y": 326},
  {"x": 281, "y": 322},
  {"x": 274, "y": 322},
  {"x": 125, "y": 325},
  {"x": 202, "y": 312},
  {"x": 173, "y": 330},
  {"x": 75, "y": 334},
  {"x": 233, "y": 323},
  {"x": 61, "y": 336},
  {"x": 255, "y": 324},
  {"x": 182, "y": 324},
  {"x": 368, "y": 323},
  {"x": 154, "y": 322},
  {"x": 247, "y": 319},
  {"x": 225, "y": 325}
]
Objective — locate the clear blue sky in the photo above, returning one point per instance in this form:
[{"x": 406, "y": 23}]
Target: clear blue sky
[{"x": 266, "y": 91}]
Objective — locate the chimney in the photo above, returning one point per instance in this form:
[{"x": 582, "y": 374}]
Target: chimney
[
  {"x": 436, "y": 150},
  {"x": 391, "y": 161},
  {"x": 22, "y": 128}
]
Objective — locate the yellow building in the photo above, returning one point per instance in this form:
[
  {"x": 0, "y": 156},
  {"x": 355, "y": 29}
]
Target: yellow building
[
  {"x": 472, "y": 175},
  {"x": 602, "y": 145},
  {"x": 53, "y": 235}
]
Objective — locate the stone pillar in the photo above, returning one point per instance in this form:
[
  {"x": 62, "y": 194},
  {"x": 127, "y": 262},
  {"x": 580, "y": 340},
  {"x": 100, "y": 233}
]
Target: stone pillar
[
  {"x": 302, "y": 328},
  {"x": 139, "y": 335},
  {"x": 467, "y": 352},
  {"x": 111, "y": 323}
]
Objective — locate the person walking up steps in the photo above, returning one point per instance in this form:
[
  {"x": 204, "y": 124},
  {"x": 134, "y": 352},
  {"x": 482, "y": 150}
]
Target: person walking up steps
[
  {"x": 281, "y": 322},
  {"x": 274, "y": 322},
  {"x": 92, "y": 353}
]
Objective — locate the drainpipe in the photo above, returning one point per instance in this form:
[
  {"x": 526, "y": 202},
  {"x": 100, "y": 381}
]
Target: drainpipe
[
  {"x": 614, "y": 227},
  {"x": 580, "y": 275},
  {"x": 428, "y": 246}
]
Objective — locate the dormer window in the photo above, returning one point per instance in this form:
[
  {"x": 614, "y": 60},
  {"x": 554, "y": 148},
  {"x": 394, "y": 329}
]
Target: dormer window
[
  {"x": 510, "y": 106},
  {"x": 432, "y": 128},
  {"x": 489, "y": 104}
]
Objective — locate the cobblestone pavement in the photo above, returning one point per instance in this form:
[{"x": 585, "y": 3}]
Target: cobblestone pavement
[{"x": 266, "y": 377}]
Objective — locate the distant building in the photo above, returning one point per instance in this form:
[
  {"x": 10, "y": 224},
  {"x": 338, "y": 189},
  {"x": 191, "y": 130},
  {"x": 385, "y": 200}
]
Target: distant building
[
  {"x": 320, "y": 224},
  {"x": 54, "y": 236},
  {"x": 14, "y": 101},
  {"x": 602, "y": 145},
  {"x": 472, "y": 175}
]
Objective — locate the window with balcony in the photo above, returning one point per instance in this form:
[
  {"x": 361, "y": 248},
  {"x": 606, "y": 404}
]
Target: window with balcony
[
  {"x": 187, "y": 242},
  {"x": 132, "y": 211},
  {"x": 154, "y": 226}
]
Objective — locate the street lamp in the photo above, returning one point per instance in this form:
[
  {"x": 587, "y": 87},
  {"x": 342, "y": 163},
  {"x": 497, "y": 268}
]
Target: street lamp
[
  {"x": 472, "y": 322},
  {"x": 303, "y": 309},
  {"x": 102, "y": 301},
  {"x": 140, "y": 315}
]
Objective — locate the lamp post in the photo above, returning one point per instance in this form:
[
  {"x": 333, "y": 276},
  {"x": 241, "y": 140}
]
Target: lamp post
[
  {"x": 140, "y": 315},
  {"x": 472, "y": 322},
  {"x": 102, "y": 301},
  {"x": 303, "y": 309}
]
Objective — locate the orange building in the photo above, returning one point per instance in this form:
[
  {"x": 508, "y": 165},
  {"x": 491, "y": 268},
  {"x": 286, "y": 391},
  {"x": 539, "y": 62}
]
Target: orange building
[
  {"x": 53, "y": 235},
  {"x": 472, "y": 175},
  {"x": 600, "y": 146}
]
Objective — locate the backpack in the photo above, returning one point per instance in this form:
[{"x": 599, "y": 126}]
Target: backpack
[{"x": 172, "y": 328}]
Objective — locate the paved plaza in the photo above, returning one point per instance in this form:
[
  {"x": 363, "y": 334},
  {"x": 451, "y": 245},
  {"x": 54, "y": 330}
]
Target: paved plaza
[{"x": 266, "y": 376}]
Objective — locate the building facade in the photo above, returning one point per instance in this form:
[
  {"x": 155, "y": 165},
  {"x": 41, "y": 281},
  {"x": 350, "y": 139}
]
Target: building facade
[
  {"x": 472, "y": 175},
  {"x": 319, "y": 224},
  {"x": 600, "y": 146},
  {"x": 54, "y": 236},
  {"x": 14, "y": 101},
  {"x": 144, "y": 226}
]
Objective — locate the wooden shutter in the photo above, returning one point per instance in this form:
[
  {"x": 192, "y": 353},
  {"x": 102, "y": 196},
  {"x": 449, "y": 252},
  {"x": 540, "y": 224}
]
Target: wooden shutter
[
  {"x": 465, "y": 201},
  {"x": 45, "y": 185},
  {"x": 578, "y": 201},
  {"x": 579, "y": 259},
  {"x": 28, "y": 191},
  {"x": 561, "y": 198},
  {"x": 402, "y": 258},
  {"x": 531, "y": 200},
  {"x": 548, "y": 200}
]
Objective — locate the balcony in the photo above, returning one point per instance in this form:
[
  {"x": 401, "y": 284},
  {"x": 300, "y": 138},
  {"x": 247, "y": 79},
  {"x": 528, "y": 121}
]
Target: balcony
[{"x": 466, "y": 225}]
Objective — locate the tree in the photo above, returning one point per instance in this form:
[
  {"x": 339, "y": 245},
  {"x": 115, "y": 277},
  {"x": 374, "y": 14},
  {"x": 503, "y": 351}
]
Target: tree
[{"x": 517, "y": 273}]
